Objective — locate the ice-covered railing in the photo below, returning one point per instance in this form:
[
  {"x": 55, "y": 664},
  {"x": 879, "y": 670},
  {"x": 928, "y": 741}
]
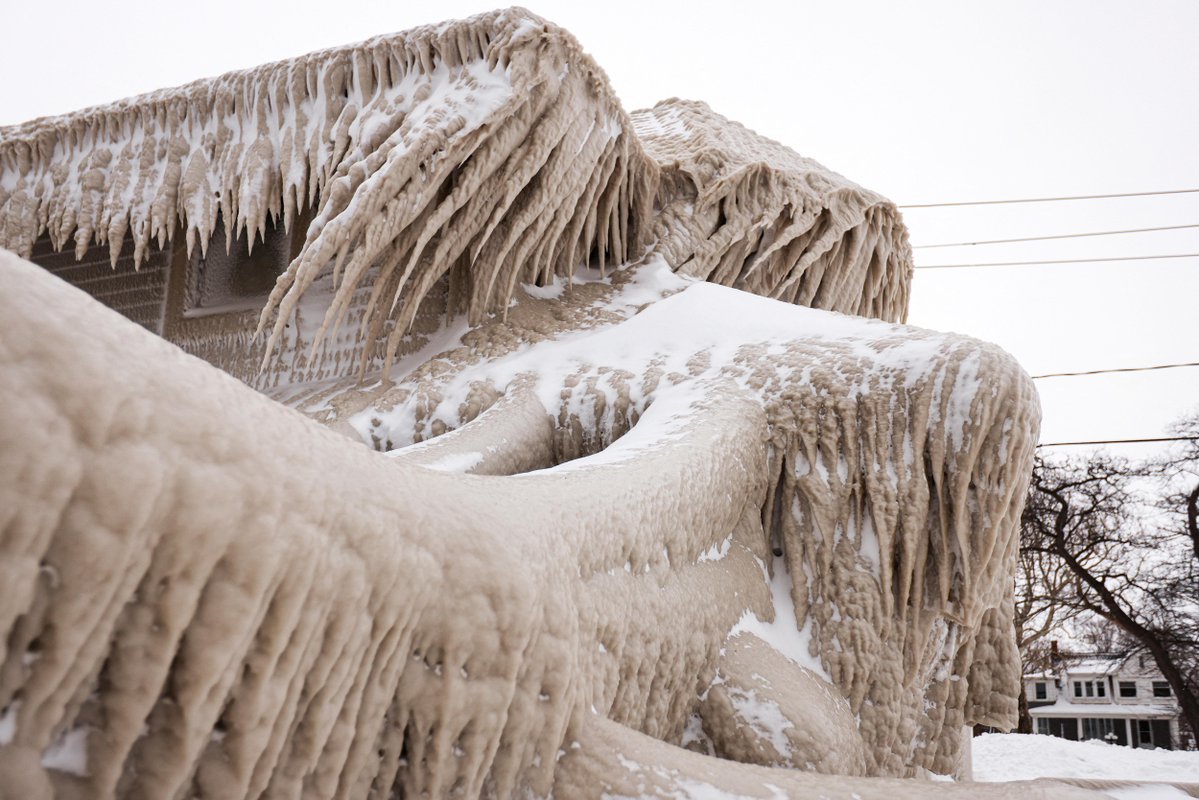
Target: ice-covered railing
[
  {"x": 491, "y": 148},
  {"x": 887, "y": 460}
]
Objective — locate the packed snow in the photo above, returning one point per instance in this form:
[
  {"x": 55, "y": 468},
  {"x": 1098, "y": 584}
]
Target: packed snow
[{"x": 1017, "y": 757}]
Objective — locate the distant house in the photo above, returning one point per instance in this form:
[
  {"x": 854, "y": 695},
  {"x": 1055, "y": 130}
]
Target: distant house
[{"x": 1109, "y": 696}]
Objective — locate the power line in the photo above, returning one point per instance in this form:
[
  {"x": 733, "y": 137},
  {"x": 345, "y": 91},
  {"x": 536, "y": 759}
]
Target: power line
[
  {"x": 1054, "y": 261},
  {"x": 1048, "y": 199},
  {"x": 1059, "y": 236},
  {"x": 1117, "y": 369},
  {"x": 1123, "y": 441}
]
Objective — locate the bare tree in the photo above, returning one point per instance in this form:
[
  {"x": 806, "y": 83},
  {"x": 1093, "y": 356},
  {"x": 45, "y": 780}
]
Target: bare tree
[
  {"x": 1043, "y": 582},
  {"x": 1129, "y": 561}
]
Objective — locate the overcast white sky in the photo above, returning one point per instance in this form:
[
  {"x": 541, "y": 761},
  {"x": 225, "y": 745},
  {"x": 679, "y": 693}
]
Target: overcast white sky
[{"x": 922, "y": 101}]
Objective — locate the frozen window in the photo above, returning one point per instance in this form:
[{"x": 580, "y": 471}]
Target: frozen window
[{"x": 235, "y": 280}]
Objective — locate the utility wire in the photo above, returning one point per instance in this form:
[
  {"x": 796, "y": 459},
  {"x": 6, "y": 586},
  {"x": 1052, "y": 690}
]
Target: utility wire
[
  {"x": 1123, "y": 441},
  {"x": 1054, "y": 261},
  {"x": 1059, "y": 236},
  {"x": 1118, "y": 369},
  {"x": 1048, "y": 199}
]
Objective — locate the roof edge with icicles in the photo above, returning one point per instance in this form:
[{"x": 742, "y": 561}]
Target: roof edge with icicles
[{"x": 492, "y": 146}]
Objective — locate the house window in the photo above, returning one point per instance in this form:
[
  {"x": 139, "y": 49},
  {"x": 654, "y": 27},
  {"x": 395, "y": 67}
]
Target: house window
[
  {"x": 1089, "y": 688},
  {"x": 1043, "y": 727},
  {"x": 1078, "y": 688},
  {"x": 1098, "y": 729},
  {"x": 1128, "y": 688},
  {"x": 1161, "y": 689},
  {"x": 1040, "y": 691},
  {"x": 235, "y": 280},
  {"x": 1100, "y": 689},
  {"x": 1144, "y": 733}
]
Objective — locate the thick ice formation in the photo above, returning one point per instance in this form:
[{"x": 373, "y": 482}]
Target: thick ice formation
[
  {"x": 493, "y": 144},
  {"x": 636, "y": 521},
  {"x": 744, "y": 211},
  {"x": 200, "y": 610}
]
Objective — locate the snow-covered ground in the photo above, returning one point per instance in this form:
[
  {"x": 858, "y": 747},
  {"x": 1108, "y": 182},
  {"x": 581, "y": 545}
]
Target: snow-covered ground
[{"x": 1014, "y": 757}]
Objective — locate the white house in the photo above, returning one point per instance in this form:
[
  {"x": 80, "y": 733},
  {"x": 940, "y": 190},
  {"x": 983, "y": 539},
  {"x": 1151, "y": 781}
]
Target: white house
[{"x": 1120, "y": 699}]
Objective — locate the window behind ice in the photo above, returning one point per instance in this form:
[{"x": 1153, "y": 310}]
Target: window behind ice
[{"x": 220, "y": 281}]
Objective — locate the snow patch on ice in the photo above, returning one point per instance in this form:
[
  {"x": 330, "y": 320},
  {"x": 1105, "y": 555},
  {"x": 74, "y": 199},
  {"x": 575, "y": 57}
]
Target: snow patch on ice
[
  {"x": 69, "y": 753},
  {"x": 456, "y": 462},
  {"x": 784, "y": 634},
  {"x": 694, "y": 733},
  {"x": 717, "y": 551},
  {"x": 763, "y": 716},
  {"x": 8, "y": 722}
]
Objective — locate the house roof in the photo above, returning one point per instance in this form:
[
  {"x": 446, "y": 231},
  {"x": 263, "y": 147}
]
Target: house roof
[
  {"x": 489, "y": 151},
  {"x": 1064, "y": 708},
  {"x": 495, "y": 139},
  {"x": 1094, "y": 666}
]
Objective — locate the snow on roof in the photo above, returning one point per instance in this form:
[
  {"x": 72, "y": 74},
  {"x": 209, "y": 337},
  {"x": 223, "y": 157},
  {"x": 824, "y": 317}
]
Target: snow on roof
[
  {"x": 1064, "y": 708},
  {"x": 1094, "y": 666}
]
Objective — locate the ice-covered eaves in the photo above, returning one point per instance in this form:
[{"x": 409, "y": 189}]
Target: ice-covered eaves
[
  {"x": 492, "y": 147},
  {"x": 742, "y": 210}
]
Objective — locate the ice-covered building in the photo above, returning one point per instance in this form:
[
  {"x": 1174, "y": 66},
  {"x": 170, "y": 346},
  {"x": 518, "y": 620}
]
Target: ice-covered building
[{"x": 615, "y": 471}]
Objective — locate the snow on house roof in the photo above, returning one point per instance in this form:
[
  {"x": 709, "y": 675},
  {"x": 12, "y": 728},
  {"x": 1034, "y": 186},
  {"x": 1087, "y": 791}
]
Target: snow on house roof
[
  {"x": 1064, "y": 708},
  {"x": 1094, "y": 666}
]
